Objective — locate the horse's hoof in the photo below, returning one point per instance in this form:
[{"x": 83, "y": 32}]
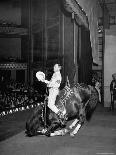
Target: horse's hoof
[
  {"x": 44, "y": 131},
  {"x": 71, "y": 134}
]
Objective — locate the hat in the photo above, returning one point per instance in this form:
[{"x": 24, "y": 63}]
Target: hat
[{"x": 40, "y": 76}]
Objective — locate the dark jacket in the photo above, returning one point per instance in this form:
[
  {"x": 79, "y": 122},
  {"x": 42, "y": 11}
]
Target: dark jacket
[{"x": 113, "y": 87}]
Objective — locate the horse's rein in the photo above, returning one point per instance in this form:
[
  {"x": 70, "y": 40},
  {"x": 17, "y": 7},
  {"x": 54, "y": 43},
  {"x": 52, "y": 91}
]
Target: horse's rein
[{"x": 68, "y": 92}]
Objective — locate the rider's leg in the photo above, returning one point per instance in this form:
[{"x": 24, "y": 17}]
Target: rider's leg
[
  {"x": 53, "y": 92},
  {"x": 51, "y": 100}
]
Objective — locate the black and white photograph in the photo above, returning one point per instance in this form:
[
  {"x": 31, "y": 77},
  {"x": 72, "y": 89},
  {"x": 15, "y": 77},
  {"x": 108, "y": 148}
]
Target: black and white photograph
[{"x": 57, "y": 77}]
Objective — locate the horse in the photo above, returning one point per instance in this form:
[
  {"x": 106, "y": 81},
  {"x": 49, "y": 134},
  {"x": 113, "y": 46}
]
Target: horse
[{"x": 80, "y": 101}]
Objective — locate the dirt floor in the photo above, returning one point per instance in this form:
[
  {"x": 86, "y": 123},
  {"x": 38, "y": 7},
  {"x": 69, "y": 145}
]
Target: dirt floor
[{"x": 97, "y": 137}]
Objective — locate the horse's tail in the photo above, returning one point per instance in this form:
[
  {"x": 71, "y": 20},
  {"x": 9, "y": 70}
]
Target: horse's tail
[
  {"x": 91, "y": 106},
  {"x": 34, "y": 121}
]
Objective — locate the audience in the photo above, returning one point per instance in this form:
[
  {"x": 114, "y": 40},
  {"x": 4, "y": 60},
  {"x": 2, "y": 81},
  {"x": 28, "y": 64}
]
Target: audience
[{"x": 17, "y": 95}]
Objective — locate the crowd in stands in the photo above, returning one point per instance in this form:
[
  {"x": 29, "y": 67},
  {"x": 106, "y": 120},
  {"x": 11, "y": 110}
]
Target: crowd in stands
[{"x": 16, "y": 96}]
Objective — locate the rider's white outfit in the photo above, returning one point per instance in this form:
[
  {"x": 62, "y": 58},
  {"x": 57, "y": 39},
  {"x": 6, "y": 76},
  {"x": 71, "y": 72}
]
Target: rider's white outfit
[{"x": 54, "y": 85}]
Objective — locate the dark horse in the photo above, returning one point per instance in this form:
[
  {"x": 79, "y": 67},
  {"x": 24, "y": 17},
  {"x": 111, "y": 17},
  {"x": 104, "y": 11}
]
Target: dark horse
[{"x": 79, "y": 101}]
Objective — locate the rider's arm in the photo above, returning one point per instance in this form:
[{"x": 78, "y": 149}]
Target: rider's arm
[{"x": 47, "y": 82}]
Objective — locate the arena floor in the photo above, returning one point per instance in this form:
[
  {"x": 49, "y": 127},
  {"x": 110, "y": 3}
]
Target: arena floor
[{"x": 97, "y": 137}]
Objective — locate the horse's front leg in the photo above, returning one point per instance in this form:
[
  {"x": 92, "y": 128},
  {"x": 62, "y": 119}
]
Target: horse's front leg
[
  {"x": 81, "y": 121},
  {"x": 75, "y": 130},
  {"x": 51, "y": 128},
  {"x": 64, "y": 131},
  {"x": 61, "y": 132}
]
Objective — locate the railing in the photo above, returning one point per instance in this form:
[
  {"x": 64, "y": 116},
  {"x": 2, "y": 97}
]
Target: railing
[
  {"x": 19, "y": 98},
  {"x": 13, "y": 65}
]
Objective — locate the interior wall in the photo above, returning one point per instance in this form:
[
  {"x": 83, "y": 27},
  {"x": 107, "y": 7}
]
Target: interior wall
[
  {"x": 85, "y": 57},
  {"x": 91, "y": 9},
  {"x": 10, "y": 47},
  {"x": 10, "y": 13},
  {"x": 46, "y": 29},
  {"x": 109, "y": 62},
  {"x": 68, "y": 49}
]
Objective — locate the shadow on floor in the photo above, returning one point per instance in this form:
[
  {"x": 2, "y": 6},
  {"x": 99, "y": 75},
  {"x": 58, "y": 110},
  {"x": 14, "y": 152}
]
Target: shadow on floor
[{"x": 13, "y": 124}]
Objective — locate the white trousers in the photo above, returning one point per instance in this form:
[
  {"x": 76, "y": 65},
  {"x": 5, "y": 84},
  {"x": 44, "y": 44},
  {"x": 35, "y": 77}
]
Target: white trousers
[{"x": 53, "y": 92}]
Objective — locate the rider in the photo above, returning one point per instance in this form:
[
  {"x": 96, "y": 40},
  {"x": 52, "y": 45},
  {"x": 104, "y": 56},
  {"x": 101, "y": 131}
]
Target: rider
[{"x": 53, "y": 86}]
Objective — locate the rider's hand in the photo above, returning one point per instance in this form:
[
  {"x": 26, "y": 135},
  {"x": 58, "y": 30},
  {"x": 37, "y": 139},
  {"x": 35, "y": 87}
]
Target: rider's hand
[{"x": 47, "y": 82}]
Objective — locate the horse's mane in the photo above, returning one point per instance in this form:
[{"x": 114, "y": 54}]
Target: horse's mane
[
  {"x": 83, "y": 90},
  {"x": 64, "y": 94}
]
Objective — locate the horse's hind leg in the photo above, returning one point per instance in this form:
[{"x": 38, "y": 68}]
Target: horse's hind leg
[
  {"x": 73, "y": 123},
  {"x": 75, "y": 130}
]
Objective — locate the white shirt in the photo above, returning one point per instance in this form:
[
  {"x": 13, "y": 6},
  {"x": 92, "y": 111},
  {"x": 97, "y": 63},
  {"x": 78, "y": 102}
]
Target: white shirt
[{"x": 55, "y": 80}]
